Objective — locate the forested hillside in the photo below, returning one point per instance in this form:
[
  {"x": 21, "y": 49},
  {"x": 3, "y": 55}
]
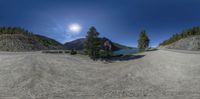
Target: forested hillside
[{"x": 184, "y": 34}]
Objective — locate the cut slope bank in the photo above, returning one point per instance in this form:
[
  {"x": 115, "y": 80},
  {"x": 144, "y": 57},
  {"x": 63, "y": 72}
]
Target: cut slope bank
[
  {"x": 189, "y": 43},
  {"x": 18, "y": 39}
]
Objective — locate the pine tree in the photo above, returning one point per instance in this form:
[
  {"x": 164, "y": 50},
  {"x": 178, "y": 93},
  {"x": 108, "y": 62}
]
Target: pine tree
[
  {"x": 143, "y": 42},
  {"x": 92, "y": 43}
]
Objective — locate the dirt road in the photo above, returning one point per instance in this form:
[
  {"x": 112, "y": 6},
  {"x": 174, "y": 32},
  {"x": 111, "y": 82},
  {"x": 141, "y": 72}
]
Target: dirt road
[{"x": 158, "y": 75}]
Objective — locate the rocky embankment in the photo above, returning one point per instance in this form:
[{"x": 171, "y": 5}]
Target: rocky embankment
[
  {"x": 19, "y": 42},
  {"x": 190, "y": 43}
]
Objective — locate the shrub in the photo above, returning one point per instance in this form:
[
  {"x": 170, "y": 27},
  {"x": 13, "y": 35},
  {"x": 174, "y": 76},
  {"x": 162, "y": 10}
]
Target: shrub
[
  {"x": 73, "y": 52},
  {"x": 102, "y": 54}
]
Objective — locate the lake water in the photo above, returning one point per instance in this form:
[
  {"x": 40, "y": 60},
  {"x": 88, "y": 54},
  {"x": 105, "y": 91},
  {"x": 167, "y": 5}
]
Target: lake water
[{"x": 126, "y": 51}]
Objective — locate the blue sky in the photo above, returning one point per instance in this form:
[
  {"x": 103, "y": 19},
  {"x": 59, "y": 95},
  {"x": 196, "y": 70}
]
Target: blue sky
[{"x": 119, "y": 20}]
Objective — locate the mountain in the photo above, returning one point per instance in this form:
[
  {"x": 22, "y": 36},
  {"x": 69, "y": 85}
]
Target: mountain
[
  {"x": 78, "y": 44},
  {"x": 189, "y": 43},
  {"x": 18, "y": 39},
  {"x": 119, "y": 46}
]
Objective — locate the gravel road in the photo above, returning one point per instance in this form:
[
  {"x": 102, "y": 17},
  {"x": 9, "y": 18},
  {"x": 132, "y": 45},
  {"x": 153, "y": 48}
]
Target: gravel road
[{"x": 158, "y": 75}]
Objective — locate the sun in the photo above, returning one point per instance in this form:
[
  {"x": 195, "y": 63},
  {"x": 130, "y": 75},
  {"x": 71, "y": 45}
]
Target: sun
[{"x": 75, "y": 28}]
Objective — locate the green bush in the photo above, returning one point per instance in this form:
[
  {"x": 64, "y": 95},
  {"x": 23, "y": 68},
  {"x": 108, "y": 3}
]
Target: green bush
[
  {"x": 105, "y": 54},
  {"x": 73, "y": 52},
  {"x": 102, "y": 54}
]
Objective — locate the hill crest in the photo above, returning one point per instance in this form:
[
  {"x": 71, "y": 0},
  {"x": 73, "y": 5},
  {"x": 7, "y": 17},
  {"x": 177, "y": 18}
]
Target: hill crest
[{"x": 18, "y": 39}]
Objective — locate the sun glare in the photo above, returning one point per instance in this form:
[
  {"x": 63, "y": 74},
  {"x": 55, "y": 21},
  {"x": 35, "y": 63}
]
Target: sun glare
[{"x": 75, "y": 28}]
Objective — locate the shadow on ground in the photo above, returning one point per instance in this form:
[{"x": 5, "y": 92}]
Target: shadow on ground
[
  {"x": 126, "y": 57},
  {"x": 123, "y": 58}
]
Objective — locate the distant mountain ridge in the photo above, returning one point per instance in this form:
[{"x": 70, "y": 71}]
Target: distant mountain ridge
[
  {"x": 78, "y": 44},
  {"x": 18, "y": 39}
]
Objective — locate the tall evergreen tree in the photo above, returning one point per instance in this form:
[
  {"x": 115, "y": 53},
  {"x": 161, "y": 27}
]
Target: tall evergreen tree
[
  {"x": 143, "y": 41},
  {"x": 92, "y": 43}
]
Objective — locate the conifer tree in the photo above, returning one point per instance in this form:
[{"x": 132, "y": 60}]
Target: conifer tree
[
  {"x": 92, "y": 43},
  {"x": 143, "y": 42}
]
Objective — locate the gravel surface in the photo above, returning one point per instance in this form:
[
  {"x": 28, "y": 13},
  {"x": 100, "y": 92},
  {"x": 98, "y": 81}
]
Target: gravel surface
[{"x": 158, "y": 75}]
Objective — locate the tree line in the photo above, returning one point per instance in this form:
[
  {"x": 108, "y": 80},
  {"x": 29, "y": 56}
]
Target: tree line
[
  {"x": 189, "y": 32},
  {"x": 14, "y": 30}
]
